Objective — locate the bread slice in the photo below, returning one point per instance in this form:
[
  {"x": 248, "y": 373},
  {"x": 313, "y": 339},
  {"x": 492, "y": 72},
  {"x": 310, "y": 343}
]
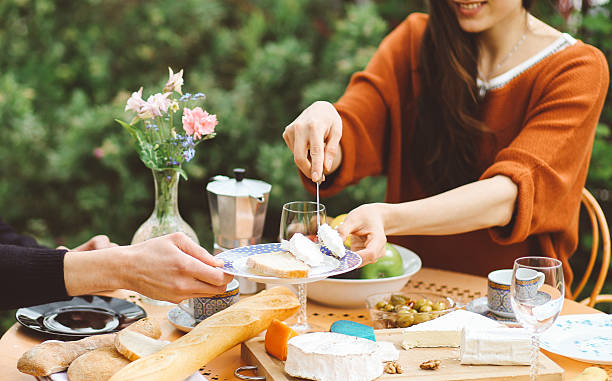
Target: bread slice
[
  {"x": 97, "y": 365},
  {"x": 280, "y": 264},
  {"x": 134, "y": 345},
  {"x": 55, "y": 356}
]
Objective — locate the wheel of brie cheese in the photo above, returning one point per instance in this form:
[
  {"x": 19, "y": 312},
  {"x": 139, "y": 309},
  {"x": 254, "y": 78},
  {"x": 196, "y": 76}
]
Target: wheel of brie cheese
[{"x": 328, "y": 356}]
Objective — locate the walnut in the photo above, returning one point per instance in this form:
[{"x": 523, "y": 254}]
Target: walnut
[
  {"x": 393, "y": 367},
  {"x": 430, "y": 365}
]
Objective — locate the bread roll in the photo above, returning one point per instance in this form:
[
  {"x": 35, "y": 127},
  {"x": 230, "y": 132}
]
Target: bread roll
[
  {"x": 212, "y": 337},
  {"x": 592, "y": 373},
  {"x": 52, "y": 357},
  {"x": 97, "y": 365}
]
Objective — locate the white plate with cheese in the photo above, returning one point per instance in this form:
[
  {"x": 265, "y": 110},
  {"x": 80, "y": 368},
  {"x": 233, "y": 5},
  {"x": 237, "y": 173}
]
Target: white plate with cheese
[
  {"x": 236, "y": 264},
  {"x": 586, "y": 337}
]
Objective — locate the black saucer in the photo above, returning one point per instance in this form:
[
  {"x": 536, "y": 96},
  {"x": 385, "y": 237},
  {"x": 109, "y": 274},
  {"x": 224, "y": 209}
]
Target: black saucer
[{"x": 80, "y": 316}]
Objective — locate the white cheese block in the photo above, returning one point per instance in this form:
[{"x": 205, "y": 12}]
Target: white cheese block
[
  {"x": 387, "y": 351},
  {"x": 303, "y": 249},
  {"x": 329, "y": 356},
  {"x": 497, "y": 346},
  {"x": 444, "y": 331},
  {"x": 330, "y": 238}
]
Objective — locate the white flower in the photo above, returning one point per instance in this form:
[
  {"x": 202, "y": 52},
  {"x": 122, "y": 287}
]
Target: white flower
[
  {"x": 135, "y": 103},
  {"x": 157, "y": 104},
  {"x": 174, "y": 106},
  {"x": 175, "y": 81}
]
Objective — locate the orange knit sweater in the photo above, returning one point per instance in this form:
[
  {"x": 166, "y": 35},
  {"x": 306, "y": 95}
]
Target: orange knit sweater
[{"x": 544, "y": 124}]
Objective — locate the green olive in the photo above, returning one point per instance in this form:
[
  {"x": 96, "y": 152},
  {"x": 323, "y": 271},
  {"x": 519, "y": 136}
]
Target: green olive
[
  {"x": 429, "y": 302},
  {"x": 420, "y": 318},
  {"x": 439, "y": 306},
  {"x": 426, "y": 308},
  {"x": 419, "y": 303},
  {"x": 381, "y": 305},
  {"x": 397, "y": 299},
  {"x": 413, "y": 311},
  {"x": 401, "y": 307},
  {"x": 405, "y": 320},
  {"x": 388, "y": 307}
]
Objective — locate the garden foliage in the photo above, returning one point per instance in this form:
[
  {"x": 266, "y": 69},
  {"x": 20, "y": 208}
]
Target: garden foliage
[{"x": 69, "y": 171}]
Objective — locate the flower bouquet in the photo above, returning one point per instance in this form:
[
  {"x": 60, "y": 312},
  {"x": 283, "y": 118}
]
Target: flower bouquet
[
  {"x": 167, "y": 127},
  {"x": 160, "y": 146}
]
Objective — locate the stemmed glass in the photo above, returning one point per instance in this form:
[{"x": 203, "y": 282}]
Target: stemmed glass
[
  {"x": 301, "y": 217},
  {"x": 536, "y": 294}
]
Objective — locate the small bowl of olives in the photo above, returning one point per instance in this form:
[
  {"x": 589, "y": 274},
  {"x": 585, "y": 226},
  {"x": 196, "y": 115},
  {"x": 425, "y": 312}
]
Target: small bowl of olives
[{"x": 401, "y": 310}]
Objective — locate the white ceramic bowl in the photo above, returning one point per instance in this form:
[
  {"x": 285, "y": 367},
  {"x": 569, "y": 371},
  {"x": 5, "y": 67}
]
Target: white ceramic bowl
[{"x": 353, "y": 292}]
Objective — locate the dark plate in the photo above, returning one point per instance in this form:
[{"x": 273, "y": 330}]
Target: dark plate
[{"x": 80, "y": 316}]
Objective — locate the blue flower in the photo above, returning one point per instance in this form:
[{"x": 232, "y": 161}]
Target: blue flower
[
  {"x": 199, "y": 95},
  {"x": 189, "y": 154},
  {"x": 185, "y": 97},
  {"x": 188, "y": 142}
]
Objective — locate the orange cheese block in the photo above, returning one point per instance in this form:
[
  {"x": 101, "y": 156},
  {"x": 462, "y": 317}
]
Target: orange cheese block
[{"x": 276, "y": 339}]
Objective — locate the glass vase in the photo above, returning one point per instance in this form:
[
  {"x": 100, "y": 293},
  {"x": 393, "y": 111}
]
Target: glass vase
[{"x": 165, "y": 218}]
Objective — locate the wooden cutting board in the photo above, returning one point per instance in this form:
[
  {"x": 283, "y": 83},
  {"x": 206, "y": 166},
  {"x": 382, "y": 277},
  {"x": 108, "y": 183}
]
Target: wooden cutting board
[{"x": 254, "y": 353}]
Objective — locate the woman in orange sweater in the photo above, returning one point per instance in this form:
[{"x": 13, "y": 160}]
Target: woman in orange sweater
[{"x": 483, "y": 119}]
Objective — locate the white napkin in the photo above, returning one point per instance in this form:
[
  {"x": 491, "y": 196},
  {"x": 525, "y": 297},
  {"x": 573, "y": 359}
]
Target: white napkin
[{"x": 63, "y": 376}]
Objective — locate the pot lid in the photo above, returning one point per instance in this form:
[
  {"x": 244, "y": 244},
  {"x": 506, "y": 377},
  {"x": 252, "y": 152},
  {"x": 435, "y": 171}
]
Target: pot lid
[{"x": 239, "y": 186}]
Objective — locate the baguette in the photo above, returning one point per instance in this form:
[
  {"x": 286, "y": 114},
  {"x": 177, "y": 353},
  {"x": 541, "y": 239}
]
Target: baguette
[
  {"x": 213, "y": 336},
  {"x": 97, "y": 365},
  {"x": 55, "y": 356}
]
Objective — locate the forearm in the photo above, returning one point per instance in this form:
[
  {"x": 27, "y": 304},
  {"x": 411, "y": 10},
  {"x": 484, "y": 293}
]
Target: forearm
[
  {"x": 93, "y": 271},
  {"x": 38, "y": 272},
  {"x": 478, "y": 205}
]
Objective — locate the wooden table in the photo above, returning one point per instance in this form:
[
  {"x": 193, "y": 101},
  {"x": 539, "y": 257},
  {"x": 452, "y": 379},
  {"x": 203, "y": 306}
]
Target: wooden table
[{"x": 461, "y": 287}]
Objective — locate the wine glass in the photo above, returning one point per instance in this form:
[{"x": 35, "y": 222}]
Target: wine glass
[
  {"x": 301, "y": 217},
  {"x": 536, "y": 294}
]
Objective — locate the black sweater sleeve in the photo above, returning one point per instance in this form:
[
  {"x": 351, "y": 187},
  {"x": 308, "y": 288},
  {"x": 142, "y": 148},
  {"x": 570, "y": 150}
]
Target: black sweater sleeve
[{"x": 30, "y": 274}]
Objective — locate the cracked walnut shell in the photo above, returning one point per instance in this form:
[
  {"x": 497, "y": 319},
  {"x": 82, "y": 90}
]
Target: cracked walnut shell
[
  {"x": 430, "y": 365},
  {"x": 393, "y": 367}
]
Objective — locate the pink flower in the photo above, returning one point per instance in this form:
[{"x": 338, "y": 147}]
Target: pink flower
[
  {"x": 175, "y": 81},
  {"x": 98, "y": 153},
  {"x": 157, "y": 104},
  {"x": 198, "y": 122},
  {"x": 135, "y": 103}
]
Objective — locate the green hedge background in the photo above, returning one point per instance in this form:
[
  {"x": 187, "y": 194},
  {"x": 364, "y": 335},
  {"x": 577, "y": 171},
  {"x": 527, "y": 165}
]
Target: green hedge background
[{"x": 68, "y": 66}]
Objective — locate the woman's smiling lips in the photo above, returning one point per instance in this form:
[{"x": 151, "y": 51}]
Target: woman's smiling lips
[{"x": 469, "y": 8}]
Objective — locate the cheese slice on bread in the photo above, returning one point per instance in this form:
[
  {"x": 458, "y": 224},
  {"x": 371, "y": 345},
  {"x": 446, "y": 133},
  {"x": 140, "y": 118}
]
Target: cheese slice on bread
[
  {"x": 304, "y": 249},
  {"x": 280, "y": 264}
]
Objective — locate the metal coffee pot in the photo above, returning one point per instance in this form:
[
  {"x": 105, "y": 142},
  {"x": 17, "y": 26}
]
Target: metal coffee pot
[{"x": 238, "y": 212}]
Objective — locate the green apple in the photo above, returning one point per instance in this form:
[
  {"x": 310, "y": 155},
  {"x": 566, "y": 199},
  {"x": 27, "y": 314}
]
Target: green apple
[{"x": 386, "y": 266}]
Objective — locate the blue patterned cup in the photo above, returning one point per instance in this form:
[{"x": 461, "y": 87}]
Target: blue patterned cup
[
  {"x": 528, "y": 282},
  {"x": 498, "y": 293},
  {"x": 203, "y": 307}
]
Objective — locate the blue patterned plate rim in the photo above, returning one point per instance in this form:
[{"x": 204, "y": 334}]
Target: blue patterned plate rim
[
  {"x": 349, "y": 262},
  {"x": 584, "y": 337}
]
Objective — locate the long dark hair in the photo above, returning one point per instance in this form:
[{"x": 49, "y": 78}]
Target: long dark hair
[{"x": 448, "y": 127}]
